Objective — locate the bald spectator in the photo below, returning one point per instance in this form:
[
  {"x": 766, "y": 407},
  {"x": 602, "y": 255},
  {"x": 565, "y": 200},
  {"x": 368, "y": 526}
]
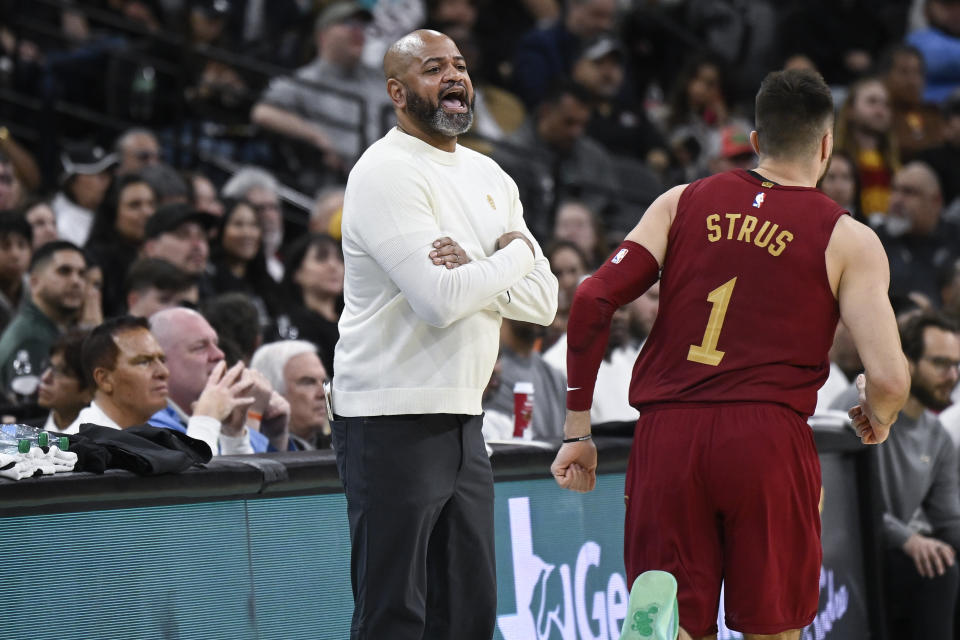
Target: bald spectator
[
  {"x": 177, "y": 233},
  {"x": 295, "y": 371},
  {"x": 544, "y": 56},
  {"x": 919, "y": 244},
  {"x": 258, "y": 187},
  {"x": 124, "y": 364},
  {"x": 136, "y": 149},
  {"x": 299, "y": 107},
  {"x": 57, "y": 292},
  {"x": 198, "y": 372},
  {"x": 153, "y": 284}
]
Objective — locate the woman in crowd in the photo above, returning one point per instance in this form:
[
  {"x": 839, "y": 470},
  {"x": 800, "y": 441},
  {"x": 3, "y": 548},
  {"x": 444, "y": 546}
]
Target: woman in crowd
[
  {"x": 842, "y": 185},
  {"x": 238, "y": 259},
  {"x": 569, "y": 264},
  {"x": 117, "y": 233},
  {"x": 865, "y": 133},
  {"x": 39, "y": 215},
  {"x": 313, "y": 283},
  {"x": 577, "y": 223}
]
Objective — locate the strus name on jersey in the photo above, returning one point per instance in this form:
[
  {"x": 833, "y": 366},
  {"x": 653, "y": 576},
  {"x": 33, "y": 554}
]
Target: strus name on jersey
[
  {"x": 748, "y": 229},
  {"x": 758, "y": 200}
]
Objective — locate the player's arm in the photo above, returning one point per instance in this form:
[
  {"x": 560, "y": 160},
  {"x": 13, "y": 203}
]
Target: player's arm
[
  {"x": 857, "y": 265},
  {"x": 634, "y": 267}
]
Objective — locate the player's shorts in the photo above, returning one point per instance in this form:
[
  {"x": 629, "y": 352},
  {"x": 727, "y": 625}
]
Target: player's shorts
[{"x": 727, "y": 493}]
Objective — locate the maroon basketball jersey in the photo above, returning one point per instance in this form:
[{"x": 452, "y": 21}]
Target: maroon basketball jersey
[{"x": 746, "y": 311}]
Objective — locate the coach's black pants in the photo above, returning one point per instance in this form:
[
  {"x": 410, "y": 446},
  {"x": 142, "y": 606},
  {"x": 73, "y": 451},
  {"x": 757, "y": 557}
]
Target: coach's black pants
[{"x": 420, "y": 503}]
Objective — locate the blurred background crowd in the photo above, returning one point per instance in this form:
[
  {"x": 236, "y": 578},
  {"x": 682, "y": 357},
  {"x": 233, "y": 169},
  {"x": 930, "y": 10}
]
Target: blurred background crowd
[{"x": 193, "y": 153}]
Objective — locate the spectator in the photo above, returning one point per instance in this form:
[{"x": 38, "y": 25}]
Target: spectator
[
  {"x": 845, "y": 365},
  {"x": 314, "y": 288},
  {"x": 642, "y": 313},
  {"x": 152, "y": 285},
  {"x": 732, "y": 151},
  {"x": 940, "y": 45},
  {"x": 15, "y": 234},
  {"x": 327, "y": 212},
  {"x": 118, "y": 234},
  {"x": 204, "y": 194},
  {"x": 236, "y": 320},
  {"x": 86, "y": 176},
  {"x": 231, "y": 398},
  {"x": 842, "y": 185},
  {"x": 39, "y": 215},
  {"x": 123, "y": 364},
  {"x": 550, "y": 157},
  {"x": 10, "y": 189},
  {"x": 57, "y": 289},
  {"x": 294, "y": 370},
  {"x": 918, "y": 472},
  {"x": 63, "y": 388},
  {"x": 864, "y": 130},
  {"x": 945, "y": 158},
  {"x": 520, "y": 362},
  {"x": 698, "y": 110},
  {"x": 338, "y": 126},
  {"x": 91, "y": 313},
  {"x": 916, "y": 124},
  {"x": 577, "y": 223},
  {"x": 620, "y": 125},
  {"x": 568, "y": 262},
  {"x": 260, "y": 189},
  {"x": 136, "y": 149},
  {"x": 178, "y": 234},
  {"x": 544, "y": 56},
  {"x": 919, "y": 244},
  {"x": 167, "y": 184},
  {"x": 238, "y": 262}
]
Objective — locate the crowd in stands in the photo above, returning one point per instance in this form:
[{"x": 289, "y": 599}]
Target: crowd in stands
[{"x": 184, "y": 162}]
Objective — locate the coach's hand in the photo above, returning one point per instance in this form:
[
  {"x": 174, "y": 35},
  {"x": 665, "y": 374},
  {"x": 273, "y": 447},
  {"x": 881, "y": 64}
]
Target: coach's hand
[
  {"x": 509, "y": 237},
  {"x": 931, "y": 556},
  {"x": 870, "y": 429},
  {"x": 448, "y": 253},
  {"x": 575, "y": 466}
]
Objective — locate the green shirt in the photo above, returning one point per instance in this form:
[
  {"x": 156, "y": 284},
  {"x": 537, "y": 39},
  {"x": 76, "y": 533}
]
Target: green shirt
[{"x": 24, "y": 347}]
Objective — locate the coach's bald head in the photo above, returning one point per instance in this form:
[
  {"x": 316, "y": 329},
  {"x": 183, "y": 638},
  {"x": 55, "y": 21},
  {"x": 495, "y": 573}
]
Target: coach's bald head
[{"x": 427, "y": 81}]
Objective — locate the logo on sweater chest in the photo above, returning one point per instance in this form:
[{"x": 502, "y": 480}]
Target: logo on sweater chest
[{"x": 493, "y": 205}]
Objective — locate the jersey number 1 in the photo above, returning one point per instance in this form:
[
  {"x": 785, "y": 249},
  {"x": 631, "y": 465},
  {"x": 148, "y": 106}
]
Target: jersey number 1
[{"x": 706, "y": 352}]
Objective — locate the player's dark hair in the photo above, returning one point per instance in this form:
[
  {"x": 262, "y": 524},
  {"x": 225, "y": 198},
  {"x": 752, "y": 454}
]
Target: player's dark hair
[
  {"x": 793, "y": 110},
  {"x": 99, "y": 348},
  {"x": 914, "y": 325}
]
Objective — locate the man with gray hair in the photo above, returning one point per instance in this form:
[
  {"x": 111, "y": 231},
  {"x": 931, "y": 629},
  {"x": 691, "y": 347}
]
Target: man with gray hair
[
  {"x": 294, "y": 370},
  {"x": 258, "y": 187}
]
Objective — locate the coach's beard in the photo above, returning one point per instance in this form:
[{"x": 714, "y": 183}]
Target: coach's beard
[{"x": 434, "y": 118}]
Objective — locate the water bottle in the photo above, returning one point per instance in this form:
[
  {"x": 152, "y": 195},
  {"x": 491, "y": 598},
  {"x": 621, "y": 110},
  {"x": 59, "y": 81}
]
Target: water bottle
[
  {"x": 142, "y": 94},
  {"x": 11, "y": 433},
  {"x": 15, "y": 448}
]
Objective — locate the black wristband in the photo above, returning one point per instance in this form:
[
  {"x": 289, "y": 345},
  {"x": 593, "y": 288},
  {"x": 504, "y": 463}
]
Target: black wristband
[{"x": 580, "y": 439}]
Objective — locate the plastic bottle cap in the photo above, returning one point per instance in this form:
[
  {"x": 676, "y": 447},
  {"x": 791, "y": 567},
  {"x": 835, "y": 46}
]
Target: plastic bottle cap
[
  {"x": 43, "y": 439},
  {"x": 23, "y": 446},
  {"x": 64, "y": 443}
]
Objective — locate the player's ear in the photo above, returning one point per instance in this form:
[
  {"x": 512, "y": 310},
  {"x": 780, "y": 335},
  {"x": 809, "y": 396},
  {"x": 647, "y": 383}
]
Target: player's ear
[{"x": 755, "y": 142}]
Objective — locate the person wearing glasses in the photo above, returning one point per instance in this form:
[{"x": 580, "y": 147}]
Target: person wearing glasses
[
  {"x": 63, "y": 389},
  {"x": 918, "y": 472}
]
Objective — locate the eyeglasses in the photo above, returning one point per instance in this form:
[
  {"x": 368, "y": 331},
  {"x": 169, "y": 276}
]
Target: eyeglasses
[{"x": 943, "y": 364}]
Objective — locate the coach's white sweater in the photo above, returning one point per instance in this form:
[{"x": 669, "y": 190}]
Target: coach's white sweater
[{"x": 416, "y": 337}]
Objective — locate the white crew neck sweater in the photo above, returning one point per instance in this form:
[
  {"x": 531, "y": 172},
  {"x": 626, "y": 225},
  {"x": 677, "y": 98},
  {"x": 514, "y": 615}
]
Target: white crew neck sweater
[{"x": 418, "y": 338}]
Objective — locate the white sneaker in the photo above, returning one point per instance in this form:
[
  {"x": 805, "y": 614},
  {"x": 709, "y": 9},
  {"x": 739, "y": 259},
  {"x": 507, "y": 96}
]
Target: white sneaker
[{"x": 652, "y": 614}]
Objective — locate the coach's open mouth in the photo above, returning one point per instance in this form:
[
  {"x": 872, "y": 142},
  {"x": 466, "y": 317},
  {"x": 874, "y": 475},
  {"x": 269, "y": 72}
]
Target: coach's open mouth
[{"x": 454, "y": 100}]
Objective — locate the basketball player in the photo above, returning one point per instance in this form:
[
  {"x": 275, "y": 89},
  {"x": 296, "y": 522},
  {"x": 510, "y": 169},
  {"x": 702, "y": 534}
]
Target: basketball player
[{"x": 755, "y": 268}]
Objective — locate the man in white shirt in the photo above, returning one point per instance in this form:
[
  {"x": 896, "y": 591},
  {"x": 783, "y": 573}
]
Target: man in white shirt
[{"x": 436, "y": 254}]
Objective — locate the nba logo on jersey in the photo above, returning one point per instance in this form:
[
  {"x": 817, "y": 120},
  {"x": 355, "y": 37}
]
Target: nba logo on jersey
[
  {"x": 758, "y": 200},
  {"x": 620, "y": 255}
]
